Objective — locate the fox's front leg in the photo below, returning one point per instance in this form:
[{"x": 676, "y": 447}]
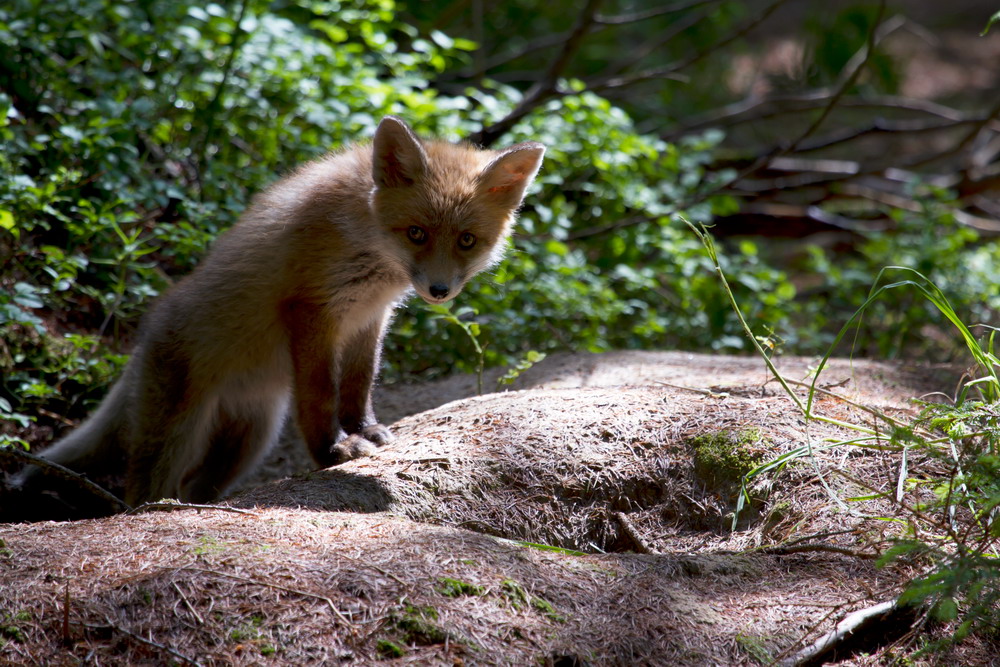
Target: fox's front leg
[
  {"x": 311, "y": 334},
  {"x": 359, "y": 364}
]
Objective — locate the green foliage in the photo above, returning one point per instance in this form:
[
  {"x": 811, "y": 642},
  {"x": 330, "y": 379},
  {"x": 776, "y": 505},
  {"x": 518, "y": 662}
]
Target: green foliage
[
  {"x": 964, "y": 586},
  {"x": 930, "y": 241},
  {"x": 418, "y": 625},
  {"x": 957, "y": 527},
  {"x": 387, "y": 649}
]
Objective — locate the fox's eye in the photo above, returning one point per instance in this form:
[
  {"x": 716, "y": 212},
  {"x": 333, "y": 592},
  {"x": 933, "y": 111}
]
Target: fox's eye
[
  {"x": 416, "y": 234},
  {"x": 466, "y": 240}
]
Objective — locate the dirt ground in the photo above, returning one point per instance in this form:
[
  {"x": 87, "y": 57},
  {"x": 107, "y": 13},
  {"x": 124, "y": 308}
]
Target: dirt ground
[{"x": 573, "y": 521}]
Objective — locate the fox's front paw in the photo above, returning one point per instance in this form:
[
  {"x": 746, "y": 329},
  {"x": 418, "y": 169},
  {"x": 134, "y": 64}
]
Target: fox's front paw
[
  {"x": 377, "y": 433},
  {"x": 352, "y": 447},
  {"x": 360, "y": 444}
]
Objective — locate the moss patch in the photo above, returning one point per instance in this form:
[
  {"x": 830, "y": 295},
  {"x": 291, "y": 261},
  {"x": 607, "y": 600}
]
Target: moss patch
[
  {"x": 454, "y": 588},
  {"x": 722, "y": 458}
]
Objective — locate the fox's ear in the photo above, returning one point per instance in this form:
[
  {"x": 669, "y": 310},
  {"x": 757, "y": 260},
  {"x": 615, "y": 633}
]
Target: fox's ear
[
  {"x": 510, "y": 173},
  {"x": 398, "y": 157}
]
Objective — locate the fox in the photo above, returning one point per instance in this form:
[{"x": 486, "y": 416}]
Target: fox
[{"x": 288, "y": 310}]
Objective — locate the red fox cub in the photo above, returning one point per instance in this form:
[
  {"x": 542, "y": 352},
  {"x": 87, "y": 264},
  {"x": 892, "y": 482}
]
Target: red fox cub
[{"x": 290, "y": 307}]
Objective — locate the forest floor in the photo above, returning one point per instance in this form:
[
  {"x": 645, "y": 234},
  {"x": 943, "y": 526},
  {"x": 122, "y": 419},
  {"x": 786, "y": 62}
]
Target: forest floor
[{"x": 583, "y": 519}]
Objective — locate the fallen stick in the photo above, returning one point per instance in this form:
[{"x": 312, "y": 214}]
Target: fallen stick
[{"x": 837, "y": 640}]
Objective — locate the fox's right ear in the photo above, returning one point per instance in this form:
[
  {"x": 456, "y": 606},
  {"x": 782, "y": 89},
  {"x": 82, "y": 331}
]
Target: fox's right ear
[
  {"x": 508, "y": 175},
  {"x": 398, "y": 157}
]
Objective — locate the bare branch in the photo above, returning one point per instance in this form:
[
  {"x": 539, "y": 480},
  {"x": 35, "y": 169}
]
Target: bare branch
[
  {"x": 637, "y": 54},
  {"x": 546, "y": 87},
  {"x": 651, "y": 13},
  {"x": 749, "y": 110},
  {"x": 671, "y": 70},
  {"x": 882, "y": 126},
  {"x": 849, "y": 75},
  {"x": 164, "y": 506},
  {"x": 847, "y": 78},
  {"x": 964, "y": 143}
]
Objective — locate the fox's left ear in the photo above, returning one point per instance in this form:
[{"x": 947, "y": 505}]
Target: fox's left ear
[
  {"x": 398, "y": 157},
  {"x": 508, "y": 175}
]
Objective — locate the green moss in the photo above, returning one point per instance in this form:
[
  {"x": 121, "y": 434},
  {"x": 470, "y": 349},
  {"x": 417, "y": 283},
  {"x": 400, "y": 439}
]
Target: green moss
[
  {"x": 417, "y": 625},
  {"x": 389, "y": 649},
  {"x": 547, "y": 609},
  {"x": 518, "y": 598},
  {"x": 11, "y": 626},
  {"x": 207, "y": 545},
  {"x": 722, "y": 458},
  {"x": 513, "y": 593},
  {"x": 454, "y": 588}
]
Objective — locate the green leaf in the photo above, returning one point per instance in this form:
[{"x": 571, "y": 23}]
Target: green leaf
[
  {"x": 442, "y": 40},
  {"x": 946, "y": 610},
  {"x": 7, "y": 222}
]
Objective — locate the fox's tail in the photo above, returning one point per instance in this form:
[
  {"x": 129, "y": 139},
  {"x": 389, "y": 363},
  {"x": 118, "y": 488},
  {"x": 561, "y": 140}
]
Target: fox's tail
[{"x": 96, "y": 445}]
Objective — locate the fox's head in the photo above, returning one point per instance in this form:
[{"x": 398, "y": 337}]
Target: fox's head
[{"x": 446, "y": 209}]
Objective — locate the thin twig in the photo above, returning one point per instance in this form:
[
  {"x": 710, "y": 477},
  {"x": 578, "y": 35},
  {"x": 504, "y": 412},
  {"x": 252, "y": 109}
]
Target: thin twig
[
  {"x": 67, "y": 640},
  {"x": 187, "y": 604},
  {"x": 706, "y": 392},
  {"x": 872, "y": 411},
  {"x": 170, "y": 506},
  {"x": 754, "y": 109},
  {"x": 850, "y": 625},
  {"x": 891, "y": 498},
  {"x": 57, "y": 470},
  {"x": 964, "y": 143}
]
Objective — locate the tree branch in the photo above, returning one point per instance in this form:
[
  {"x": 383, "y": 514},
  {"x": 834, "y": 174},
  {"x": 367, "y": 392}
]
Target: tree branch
[
  {"x": 650, "y": 13},
  {"x": 546, "y": 87},
  {"x": 669, "y": 71},
  {"x": 640, "y": 52}
]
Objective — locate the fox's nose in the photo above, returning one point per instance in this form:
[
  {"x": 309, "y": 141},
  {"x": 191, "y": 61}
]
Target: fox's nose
[{"x": 439, "y": 290}]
